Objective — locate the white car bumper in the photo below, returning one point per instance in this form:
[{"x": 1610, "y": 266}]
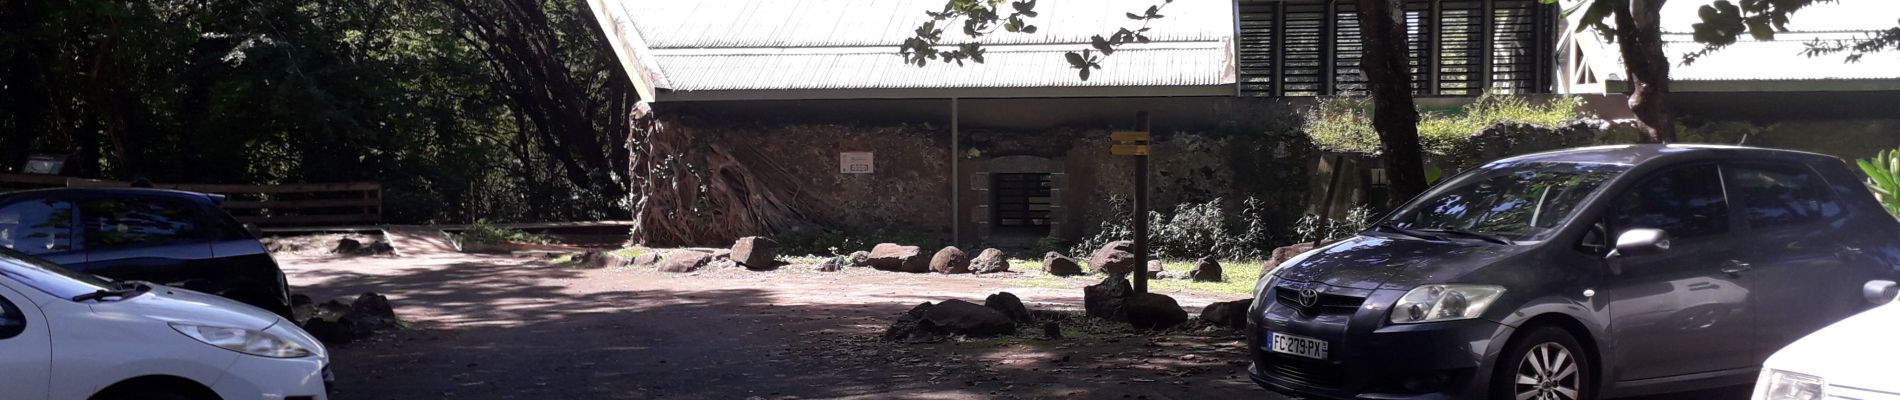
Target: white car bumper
[{"x": 275, "y": 379}]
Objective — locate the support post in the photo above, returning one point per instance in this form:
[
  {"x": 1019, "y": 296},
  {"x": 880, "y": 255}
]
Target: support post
[
  {"x": 1141, "y": 210},
  {"x": 956, "y": 178}
]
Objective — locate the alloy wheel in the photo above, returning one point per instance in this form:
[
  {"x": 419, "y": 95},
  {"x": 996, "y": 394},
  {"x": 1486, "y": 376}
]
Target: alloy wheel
[{"x": 1548, "y": 372}]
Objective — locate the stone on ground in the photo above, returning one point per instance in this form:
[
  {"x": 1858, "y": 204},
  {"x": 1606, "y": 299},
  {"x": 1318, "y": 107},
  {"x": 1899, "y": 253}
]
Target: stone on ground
[
  {"x": 648, "y": 259},
  {"x": 950, "y": 260},
  {"x": 685, "y": 261},
  {"x": 859, "y": 258},
  {"x": 968, "y": 319},
  {"x": 1009, "y": 305},
  {"x": 1156, "y": 268},
  {"x": 1153, "y": 311},
  {"x": 371, "y": 312},
  {"x": 990, "y": 261},
  {"x": 911, "y": 326},
  {"x": 1280, "y": 255},
  {"x": 1230, "y": 314},
  {"x": 1207, "y": 270},
  {"x": 347, "y": 246},
  {"x": 755, "y": 253},
  {"x": 1115, "y": 258},
  {"x": 833, "y": 264},
  {"x": 1105, "y": 300},
  {"x": 1059, "y": 265},
  {"x": 894, "y": 257}
]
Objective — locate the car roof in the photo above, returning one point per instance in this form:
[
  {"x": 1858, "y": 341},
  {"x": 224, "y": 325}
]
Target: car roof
[
  {"x": 1633, "y": 154},
  {"x": 114, "y": 191}
]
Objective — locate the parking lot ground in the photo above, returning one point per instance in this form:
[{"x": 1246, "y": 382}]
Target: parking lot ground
[{"x": 489, "y": 327}]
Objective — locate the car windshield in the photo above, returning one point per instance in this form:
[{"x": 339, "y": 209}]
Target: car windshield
[
  {"x": 1518, "y": 201},
  {"x": 48, "y": 277}
]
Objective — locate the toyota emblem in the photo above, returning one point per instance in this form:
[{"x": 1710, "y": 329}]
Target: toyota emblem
[{"x": 1308, "y": 297}]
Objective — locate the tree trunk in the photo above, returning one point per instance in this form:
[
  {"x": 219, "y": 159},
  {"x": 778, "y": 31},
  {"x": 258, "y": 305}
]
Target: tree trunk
[
  {"x": 1639, "y": 38},
  {"x": 704, "y": 192},
  {"x": 1389, "y": 79}
]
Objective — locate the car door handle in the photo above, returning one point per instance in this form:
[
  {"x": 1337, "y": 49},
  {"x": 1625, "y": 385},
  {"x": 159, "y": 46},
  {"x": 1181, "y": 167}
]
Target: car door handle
[{"x": 1735, "y": 268}]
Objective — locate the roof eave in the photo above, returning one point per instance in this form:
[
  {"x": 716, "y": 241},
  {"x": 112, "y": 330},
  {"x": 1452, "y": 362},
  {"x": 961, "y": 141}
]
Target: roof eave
[
  {"x": 629, "y": 48},
  {"x": 945, "y": 93},
  {"x": 1768, "y": 85}
]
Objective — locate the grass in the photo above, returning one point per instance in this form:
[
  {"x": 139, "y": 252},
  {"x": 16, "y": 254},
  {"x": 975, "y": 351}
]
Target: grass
[
  {"x": 1240, "y": 277},
  {"x": 631, "y": 252}
]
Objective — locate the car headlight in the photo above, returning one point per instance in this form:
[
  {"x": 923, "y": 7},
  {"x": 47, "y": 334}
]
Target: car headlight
[
  {"x": 1444, "y": 303},
  {"x": 1784, "y": 385},
  {"x": 257, "y": 343}
]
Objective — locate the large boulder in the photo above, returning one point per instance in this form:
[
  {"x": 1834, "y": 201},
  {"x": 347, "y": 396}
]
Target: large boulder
[
  {"x": 685, "y": 261},
  {"x": 755, "y": 253},
  {"x": 1056, "y": 264},
  {"x": 950, "y": 260},
  {"x": 1010, "y": 305},
  {"x": 1231, "y": 314},
  {"x": 968, "y": 319},
  {"x": 1283, "y": 253},
  {"x": 1105, "y": 300},
  {"x": 1207, "y": 270},
  {"x": 894, "y": 257},
  {"x": 370, "y": 312},
  {"x": 1153, "y": 311},
  {"x": 990, "y": 261},
  {"x": 911, "y": 326},
  {"x": 1114, "y": 258}
]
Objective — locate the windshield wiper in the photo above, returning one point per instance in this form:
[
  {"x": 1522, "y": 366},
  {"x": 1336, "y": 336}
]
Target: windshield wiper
[
  {"x": 1408, "y": 232},
  {"x": 1461, "y": 232},
  {"x": 122, "y": 290}
]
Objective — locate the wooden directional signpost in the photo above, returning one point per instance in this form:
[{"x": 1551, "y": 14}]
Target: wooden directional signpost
[{"x": 1135, "y": 144}]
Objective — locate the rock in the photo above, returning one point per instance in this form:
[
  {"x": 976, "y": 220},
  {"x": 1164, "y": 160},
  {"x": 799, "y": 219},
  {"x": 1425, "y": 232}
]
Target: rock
[
  {"x": 893, "y": 257},
  {"x": 1155, "y": 268},
  {"x": 1051, "y": 331},
  {"x": 329, "y": 332},
  {"x": 1280, "y": 255},
  {"x": 859, "y": 258},
  {"x": 347, "y": 246},
  {"x": 833, "y": 264},
  {"x": 1230, "y": 314},
  {"x": 990, "y": 261},
  {"x": 685, "y": 261},
  {"x": 1056, "y": 264},
  {"x": 369, "y": 313},
  {"x": 379, "y": 248},
  {"x": 911, "y": 326},
  {"x": 1105, "y": 300},
  {"x": 968, "y": 319},
  {"x": 755, "y": 253},
  {"x": 1008, "y": 304},
  {"x": 651, "y": 258},
  {"x": 1207, "y": 270},
  {"x": 1115, "y": 258},
  {"x": 1153, "y": 311},
  {"x": 950, "y": 260},
  {"x": 299, "y": 299}
]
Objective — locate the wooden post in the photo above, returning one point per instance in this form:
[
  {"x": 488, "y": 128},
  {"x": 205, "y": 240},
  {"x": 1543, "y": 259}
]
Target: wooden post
[{"x": 1141, "y": 210}]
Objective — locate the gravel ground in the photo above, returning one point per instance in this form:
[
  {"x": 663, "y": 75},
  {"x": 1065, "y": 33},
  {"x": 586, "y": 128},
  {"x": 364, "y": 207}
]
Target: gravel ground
[{"x": 490, "y": 327}]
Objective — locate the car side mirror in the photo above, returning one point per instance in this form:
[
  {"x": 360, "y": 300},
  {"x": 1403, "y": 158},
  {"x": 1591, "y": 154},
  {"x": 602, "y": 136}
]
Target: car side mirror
[
  {"x": 254, "y": 230},
  {"x": 1641, "y": 241},
  {"x": 1880, "y": 292}
]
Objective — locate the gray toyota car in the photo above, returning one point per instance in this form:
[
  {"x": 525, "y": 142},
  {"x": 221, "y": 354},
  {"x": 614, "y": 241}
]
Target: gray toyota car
[{"x": 1578, "y": 274}]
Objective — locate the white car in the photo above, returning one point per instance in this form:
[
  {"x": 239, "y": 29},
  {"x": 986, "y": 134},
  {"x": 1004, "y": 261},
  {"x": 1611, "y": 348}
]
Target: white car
[
  {"x": 1852, "y": 359},
  {"x": 66, "y": 335}
]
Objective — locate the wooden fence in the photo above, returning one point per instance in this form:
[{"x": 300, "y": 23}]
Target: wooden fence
[{"x": 304, "y": 204}]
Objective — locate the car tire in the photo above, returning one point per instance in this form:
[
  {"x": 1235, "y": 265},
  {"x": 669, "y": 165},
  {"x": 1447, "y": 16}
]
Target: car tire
[
  {"x": 160, "y": 395},
  {"x": 1544, "y": 363}
]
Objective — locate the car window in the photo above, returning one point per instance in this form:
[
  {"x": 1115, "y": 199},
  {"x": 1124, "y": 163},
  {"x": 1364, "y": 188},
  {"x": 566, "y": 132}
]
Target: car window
[
  {"x": 1520, "y": 201},
  {"x": 1779, "y": 195},
  {"x": 12, "y": 320},
  {"x": 1683, "y": 202},
  {"x": 37, "y": 226},
  {"x": 136, "y": 221}
]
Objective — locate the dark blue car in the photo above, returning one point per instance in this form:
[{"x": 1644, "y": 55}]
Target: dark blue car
[{"x": 176, "y": 238}]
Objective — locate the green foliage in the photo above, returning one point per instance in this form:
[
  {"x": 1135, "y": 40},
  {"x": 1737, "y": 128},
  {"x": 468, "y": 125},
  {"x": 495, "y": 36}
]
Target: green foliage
[
  {"x": 1883, "y": 178},
  {"x": 983, "y": 17},
  {"x": 1344, "y": 123},
  {"x": 483, "y": 232},
  {"x": 1191, "y": 230},
  {"x": 1724, "y": 22},
  {"x": 1312, "y": 228}
]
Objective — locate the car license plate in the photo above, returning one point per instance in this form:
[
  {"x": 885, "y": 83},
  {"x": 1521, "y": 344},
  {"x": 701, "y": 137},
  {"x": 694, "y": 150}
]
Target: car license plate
[{"x": 1296, "y": 345}]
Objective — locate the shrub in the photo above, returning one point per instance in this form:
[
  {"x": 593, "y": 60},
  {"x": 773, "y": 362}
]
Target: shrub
[
  {"x": 483, "y": 232},
  {"x": 1312, "y": 228},
  {"x": 1344, "y": 123},
  {"x": 1883, "y": 178},
  {"x": 1190, "y": 231}
]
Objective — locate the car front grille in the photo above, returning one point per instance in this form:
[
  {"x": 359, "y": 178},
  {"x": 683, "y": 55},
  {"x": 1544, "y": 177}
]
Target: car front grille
[
  {"x": 1325, "y": 303},
  {"x": 1307, "y": 372}
]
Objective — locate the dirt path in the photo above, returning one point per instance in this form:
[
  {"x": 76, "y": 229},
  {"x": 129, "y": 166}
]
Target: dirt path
[
  {"x": 503, "y": 328},
  {"x": 506, "y": 328}
]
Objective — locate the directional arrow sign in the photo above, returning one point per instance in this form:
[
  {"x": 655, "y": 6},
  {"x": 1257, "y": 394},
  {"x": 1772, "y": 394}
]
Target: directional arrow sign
[
  {"x": 1128, "y": 136},
  {"x": 1129, "y": 150}
]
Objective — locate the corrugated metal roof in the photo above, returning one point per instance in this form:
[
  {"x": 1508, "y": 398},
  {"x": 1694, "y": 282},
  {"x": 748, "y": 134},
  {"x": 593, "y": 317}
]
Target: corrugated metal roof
[
  {"x": 1004, "y": 68},
  {"x": 671, "y": 24}
]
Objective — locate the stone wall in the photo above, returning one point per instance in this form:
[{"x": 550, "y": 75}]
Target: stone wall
[{"x": 908, "y": 186}]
